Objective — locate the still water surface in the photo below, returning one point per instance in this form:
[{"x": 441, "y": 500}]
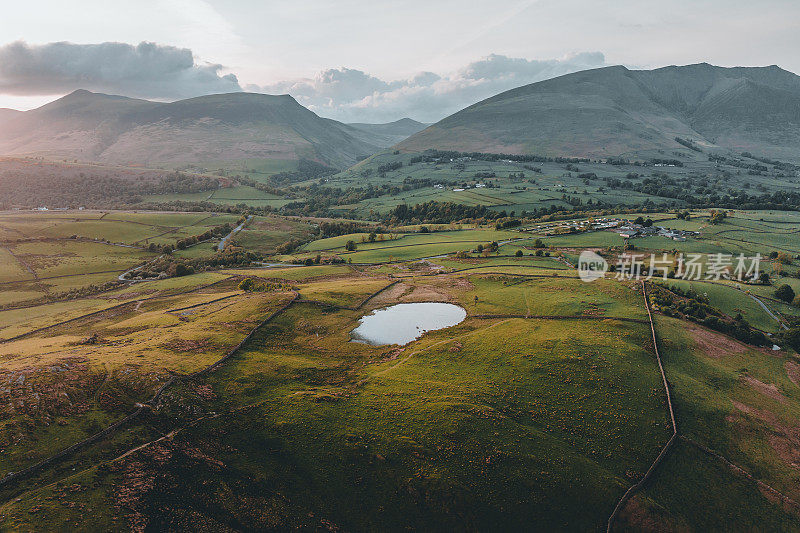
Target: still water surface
[{"x": 403, "y": 323}]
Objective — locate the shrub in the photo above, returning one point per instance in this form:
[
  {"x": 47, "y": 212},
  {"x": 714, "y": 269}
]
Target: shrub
[
  {"x": 785, "y": 293},
  {"x": 792, "y": 338}
]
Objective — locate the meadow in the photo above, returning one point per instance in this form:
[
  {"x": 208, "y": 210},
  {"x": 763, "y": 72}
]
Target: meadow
[{"x": 542, "y": 407}]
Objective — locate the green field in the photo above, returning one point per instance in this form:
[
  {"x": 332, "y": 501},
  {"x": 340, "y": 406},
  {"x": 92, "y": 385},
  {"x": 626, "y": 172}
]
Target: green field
[
  {"x": 241, "y": 194},
  {"x": 542, "y": 407},
  {"x": 44, "y": 254}
]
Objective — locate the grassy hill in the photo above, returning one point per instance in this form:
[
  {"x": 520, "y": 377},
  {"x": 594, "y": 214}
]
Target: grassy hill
[
  {"x": 615, "y": 111},
  {"x": 542, "y": 407},
  {"x": 217, "y": 128}
]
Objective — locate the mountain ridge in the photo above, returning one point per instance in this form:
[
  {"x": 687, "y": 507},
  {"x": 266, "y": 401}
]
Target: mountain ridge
[
  {"x": 613, "y": 111},
  {"x": 222, "y": 127},
  {"x": 388, "y": 133}
]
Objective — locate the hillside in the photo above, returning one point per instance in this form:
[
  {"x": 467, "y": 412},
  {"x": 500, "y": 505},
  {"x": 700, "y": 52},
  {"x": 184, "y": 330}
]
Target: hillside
[
  {"x": 217, "y": 129},
  {"x": 387, "y": 134},
  {"x": 616, "y": 111},
  {"x": 8, "y": 114}
]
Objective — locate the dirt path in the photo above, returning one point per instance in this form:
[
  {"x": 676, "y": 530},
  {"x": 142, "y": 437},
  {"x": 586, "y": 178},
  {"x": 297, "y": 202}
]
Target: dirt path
[{"x": 770, "y": 313}]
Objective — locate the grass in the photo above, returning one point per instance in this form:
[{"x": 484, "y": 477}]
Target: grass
[
  {"x": 116, "y": 226},
  {"x": 50, "y": 259},
  {"x": 264, "y": 234},
  {"x": 496, "y": 409},
  {"x": 294, "y": 272},
  {"x": 137, "y": 347},
  {"x": 242, "y": 194},
  {"x": 344, "y": 292},
  {"x": 506, "y": 294},
  {"x": 493, "y": 424},
  {"x": 730, "y": 300},
  {"x": 724, "y": 399},
  {"x": 467, "y": 237},
  {"x": 76, "y": 249}
]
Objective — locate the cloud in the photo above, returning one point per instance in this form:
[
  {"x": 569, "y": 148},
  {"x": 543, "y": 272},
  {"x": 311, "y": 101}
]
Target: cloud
[
  {"x": 147, "y": 70},
  {"x": 150, "y": 70},
  {"x": 354, "y": 96}
]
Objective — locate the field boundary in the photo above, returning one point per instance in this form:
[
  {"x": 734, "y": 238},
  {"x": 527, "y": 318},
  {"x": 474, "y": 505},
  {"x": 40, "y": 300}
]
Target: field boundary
[
  {"x": 111, "y": 308},
  {"x": 302, "y": 300},
  {"x": 215, "y": 300},
  {"x": 374, "y": 294},
  {"x": 561, "y": 317},
  {"x": 141, "y": 407},
  {"x": 639, "y": 484},
  {"x": 740, "y": 470}
]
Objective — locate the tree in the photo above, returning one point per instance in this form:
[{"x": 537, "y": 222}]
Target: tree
[
  {"x": 717, "y": 217},
  {"x": 538, "y": 243},
  {"x": 764, "y": 278},
  {"x": 792, "y": 338},
  {"x": 373, "y": 236},
  {"x": 179, "y": 269},
  {"x": 350, "y": 246},
  {"x": 785, "y": 293},
  {"x": 246, "y": 284},
  {"x": 519, "y": 253},
  {"x": 638, "y": 220}
]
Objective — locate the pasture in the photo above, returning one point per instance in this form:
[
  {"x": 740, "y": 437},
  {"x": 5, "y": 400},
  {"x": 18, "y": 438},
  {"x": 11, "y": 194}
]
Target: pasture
[{"x": 542, "y": 407}]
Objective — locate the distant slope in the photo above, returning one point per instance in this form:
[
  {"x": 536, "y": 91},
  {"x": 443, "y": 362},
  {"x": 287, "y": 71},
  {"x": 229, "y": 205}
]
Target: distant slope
[
  {"x": 388, "y": 134},
  {"x": 616, "y": 111},
  {"x": 218, "y": 128},
  {"x": 8, "y": 114}
]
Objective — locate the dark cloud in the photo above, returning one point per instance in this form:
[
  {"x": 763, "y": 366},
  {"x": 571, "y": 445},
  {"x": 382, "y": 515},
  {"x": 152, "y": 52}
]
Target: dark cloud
[
  {"x": 355, "y": 96},
  {"x": 147, "y": 70}
]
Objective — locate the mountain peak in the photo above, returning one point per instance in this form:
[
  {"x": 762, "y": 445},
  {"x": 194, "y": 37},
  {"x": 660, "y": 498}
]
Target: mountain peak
[
  {"x": 211, "y": 128},
  {"x": 614, "y": 111}
]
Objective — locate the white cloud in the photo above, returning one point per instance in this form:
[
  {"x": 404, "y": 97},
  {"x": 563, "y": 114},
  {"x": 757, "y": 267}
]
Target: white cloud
[
  {"x": 155, "y": 71},
  {"x": 355, "y": 96},
  {"x": 147, "y": 70}
]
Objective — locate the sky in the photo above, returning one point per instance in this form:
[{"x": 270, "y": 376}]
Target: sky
[{"x": 368, "y": 61}]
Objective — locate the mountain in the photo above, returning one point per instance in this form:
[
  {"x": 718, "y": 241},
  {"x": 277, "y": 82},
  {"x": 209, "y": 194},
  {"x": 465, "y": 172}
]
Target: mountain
[
  {"x": 211, "y": 129},
  {"x": 389, "y": 133},
  {"x": 8, "y": 114},
  {"x": 615, "y": 111}
]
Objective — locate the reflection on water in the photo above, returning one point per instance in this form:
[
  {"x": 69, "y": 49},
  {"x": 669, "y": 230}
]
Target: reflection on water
[{"x": 403, "y": 323}]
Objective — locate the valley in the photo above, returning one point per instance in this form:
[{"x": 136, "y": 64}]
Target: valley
[{"x": 571, "y": 306}]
